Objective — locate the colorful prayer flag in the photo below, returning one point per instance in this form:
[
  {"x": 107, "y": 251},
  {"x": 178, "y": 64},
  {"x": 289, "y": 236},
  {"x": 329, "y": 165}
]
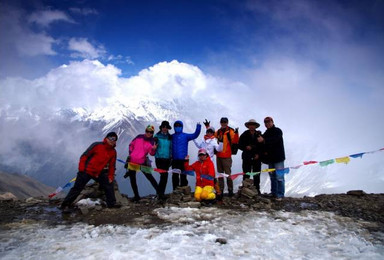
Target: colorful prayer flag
[
  {"x": 343, "y": 160},
  {"x": 325, "y": 163}
]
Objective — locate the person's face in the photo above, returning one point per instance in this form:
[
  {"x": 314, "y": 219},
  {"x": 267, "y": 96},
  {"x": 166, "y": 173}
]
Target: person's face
[
  {"x": 111, "y": 140},
  {"x": 251, "y": 127},
  {"x": 202, "y": 157},
  {"x": 209, "y": 133},
  {"x": 268, "y": 123},
  {"x": 148, "y": 133},
  {"x": 164, "y": 130},
  {"x": 224, "y": 124}
]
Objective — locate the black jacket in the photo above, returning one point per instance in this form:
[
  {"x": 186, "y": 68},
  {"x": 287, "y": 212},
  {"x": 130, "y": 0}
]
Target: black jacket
[
  {"x": 273, "y": 148},
  {"x": 246, "y": 139}
]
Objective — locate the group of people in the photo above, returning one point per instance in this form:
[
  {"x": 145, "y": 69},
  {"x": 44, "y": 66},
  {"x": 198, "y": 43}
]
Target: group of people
[{"x": 98, "y": 162}]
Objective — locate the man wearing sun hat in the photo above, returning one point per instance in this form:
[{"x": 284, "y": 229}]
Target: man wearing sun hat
[
  {"x": 274, "y": 155},
  {"x": 251, "y": 152}
]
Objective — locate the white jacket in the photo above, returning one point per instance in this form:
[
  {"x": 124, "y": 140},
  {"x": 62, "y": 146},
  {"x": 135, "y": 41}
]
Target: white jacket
[{"x": 209, "y": 144}]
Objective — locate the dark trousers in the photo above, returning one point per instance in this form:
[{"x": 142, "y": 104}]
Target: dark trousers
[
  {"x": 82, "y": 179},
  {"x": 132, "y": 178},
  {"x": 163, "y": 164},
  {"x": 178, "y": 179},
  {"x": 251, "y": 165}
]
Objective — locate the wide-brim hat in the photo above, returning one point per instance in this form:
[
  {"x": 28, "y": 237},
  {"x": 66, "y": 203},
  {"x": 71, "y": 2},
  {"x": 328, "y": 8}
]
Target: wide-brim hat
[
  {"x": 166, "y": 124},
  {"x": 251, "y": 122}
]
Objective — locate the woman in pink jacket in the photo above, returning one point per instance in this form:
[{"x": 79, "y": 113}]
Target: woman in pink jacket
[{"x": 139, "y": 148}]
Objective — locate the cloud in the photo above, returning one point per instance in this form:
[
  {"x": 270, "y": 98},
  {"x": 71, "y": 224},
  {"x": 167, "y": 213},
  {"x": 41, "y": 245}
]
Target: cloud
[
  {"x": 45, "y": 17},
  {"x": 17, "y": 36},
  {"x": 84, "y": 49}
]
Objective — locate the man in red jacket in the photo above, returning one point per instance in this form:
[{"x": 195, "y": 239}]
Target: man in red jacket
[{"x": 98, "y": 162}]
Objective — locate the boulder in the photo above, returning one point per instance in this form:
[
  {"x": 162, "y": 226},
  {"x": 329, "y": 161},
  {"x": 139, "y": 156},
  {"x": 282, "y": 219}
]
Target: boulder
[{"x": 7, "y": 196}]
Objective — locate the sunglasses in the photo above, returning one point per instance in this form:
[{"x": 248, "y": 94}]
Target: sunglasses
[
  {"x": 151, "y": 132},
  {"x": 112, "y": 138}
]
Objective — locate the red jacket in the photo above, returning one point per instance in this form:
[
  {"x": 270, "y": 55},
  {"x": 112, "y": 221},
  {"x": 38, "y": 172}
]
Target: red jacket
[
  {"x": 202, "y": 168},
  {"x": 98, "y": 156}
]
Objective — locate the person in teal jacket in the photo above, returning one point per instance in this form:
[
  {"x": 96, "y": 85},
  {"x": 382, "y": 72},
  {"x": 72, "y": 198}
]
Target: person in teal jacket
[
  {"x": 163, "y": 155},
  {"x": 180, "y": 151}
]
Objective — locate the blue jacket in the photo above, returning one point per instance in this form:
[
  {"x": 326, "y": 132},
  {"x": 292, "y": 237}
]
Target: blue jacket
[
  {"x": 180, "y": 141},
  {"x": 164, "y": 148}
]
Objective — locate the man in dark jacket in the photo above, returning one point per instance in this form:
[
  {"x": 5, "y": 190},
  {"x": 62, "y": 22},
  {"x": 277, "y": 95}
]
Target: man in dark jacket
[
  {"x": 274, "y": 155},
  {"x": 98, "y": 162},
  {"x": 251, "y": 152}
]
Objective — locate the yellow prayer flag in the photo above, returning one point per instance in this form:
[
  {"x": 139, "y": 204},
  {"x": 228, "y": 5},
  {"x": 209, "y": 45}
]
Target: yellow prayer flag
[
  {"x": 269, "y": 170},
  {"x": 133, "y": 167},
  {"x": 343, "y": 160}
]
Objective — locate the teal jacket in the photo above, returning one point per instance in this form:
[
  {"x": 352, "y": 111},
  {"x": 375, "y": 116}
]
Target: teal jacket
[{"x": 164, "y": 148}]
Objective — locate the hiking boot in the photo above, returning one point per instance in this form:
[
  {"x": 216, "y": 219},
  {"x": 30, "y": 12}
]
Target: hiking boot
[
  {"x": 65, "y": 209},
  {"x": 230, "y": 193},
  {"x": 135, "y": 199},
  {"x": 115, "y": 206}
]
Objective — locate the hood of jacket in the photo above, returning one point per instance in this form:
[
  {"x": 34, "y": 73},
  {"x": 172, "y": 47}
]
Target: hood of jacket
[{"x": 178, "y": 129}]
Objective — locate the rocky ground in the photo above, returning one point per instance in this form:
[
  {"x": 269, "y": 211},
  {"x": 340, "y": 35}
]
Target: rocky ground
[{"x": 358, "y": 205}]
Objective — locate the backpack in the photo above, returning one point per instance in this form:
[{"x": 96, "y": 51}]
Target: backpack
[{"x": 234, "y": 147}]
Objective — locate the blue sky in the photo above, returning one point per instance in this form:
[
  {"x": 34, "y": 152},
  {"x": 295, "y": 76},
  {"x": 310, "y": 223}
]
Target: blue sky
[{"x": 317, "y": 67}]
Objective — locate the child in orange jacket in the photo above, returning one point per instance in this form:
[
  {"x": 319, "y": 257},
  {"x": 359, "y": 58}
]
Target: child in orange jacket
[{"x": 205, "y": 175}]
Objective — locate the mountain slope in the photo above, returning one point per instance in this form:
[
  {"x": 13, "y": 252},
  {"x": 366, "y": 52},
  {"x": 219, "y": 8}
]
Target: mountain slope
[{"x": 23, "y": 186}]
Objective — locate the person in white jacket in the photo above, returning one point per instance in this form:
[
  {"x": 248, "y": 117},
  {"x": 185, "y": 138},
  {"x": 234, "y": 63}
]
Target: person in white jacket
[{"x": 209, "y": 143}]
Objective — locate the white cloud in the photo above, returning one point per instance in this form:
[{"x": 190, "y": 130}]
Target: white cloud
[
  {"x": 46, "y": 17},
  {"x": 84, "y": 49},
  {"x": 16, "y": 35}
]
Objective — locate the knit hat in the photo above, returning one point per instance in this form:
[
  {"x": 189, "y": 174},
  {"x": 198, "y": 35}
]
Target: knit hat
[
  {"x": 112, "y": 134},
  {"x": 202, "y": 151},
  {"x": 150, "y": 128},
  {"x": 165, "y": 124},
  {"x": 251, "y": 122}
]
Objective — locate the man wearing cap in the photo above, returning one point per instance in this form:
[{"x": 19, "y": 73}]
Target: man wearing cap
[
  {"x": 227, "y": 136},
  {"x": 98, "y": 162},
  {"x": 163, "y": 155},
  {"x": 251, "y": 152},
  {"x": 274, "y": 155}
]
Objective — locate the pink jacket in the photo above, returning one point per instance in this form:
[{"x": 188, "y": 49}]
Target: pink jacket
[{"x": 140, "y": 147}]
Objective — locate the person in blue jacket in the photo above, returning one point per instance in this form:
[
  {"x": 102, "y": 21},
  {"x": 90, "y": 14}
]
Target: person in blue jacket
[
  {"x": 180, "y": 151},
  {"x": 163, "y": 155}
]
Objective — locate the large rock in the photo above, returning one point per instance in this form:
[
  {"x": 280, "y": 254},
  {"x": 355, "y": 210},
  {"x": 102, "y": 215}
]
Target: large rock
[{"x": 7, "y": 196}]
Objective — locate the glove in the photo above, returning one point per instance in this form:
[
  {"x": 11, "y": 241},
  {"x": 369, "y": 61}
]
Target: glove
[
  {"x": 220, "y": 139},
  {"x": 206, "y": 123},
  {"x": 126, "y": 175}
]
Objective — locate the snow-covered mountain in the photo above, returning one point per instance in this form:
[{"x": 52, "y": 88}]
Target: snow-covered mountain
[{"x": 47, "y": 145}]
